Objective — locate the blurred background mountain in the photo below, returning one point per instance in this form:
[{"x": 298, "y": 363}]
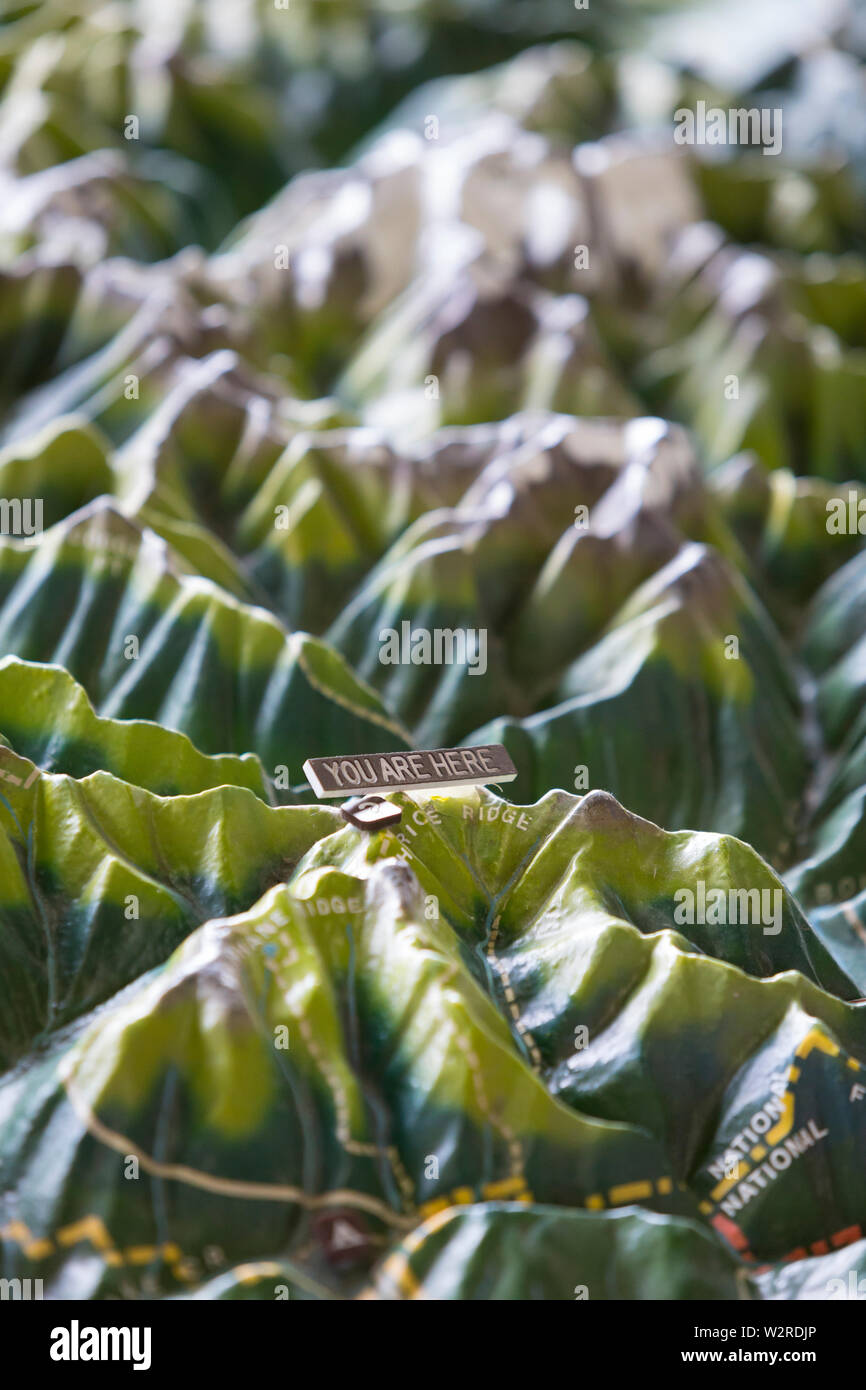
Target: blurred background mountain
[{"x": 231, "y": 97}]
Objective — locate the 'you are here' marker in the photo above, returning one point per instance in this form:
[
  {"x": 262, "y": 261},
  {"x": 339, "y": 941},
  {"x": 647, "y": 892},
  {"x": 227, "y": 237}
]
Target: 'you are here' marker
[{"x": 429, "y": 769}]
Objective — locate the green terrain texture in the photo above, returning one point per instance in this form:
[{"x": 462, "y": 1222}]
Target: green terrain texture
[{"x": 323, "y": 319}]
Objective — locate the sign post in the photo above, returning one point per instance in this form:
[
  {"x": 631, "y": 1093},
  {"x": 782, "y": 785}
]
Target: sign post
[{"x": 363, "y": 777}]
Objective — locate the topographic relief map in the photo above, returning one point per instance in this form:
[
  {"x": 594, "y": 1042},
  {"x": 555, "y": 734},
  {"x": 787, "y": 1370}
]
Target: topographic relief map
[{"x": 433, "y": 387}]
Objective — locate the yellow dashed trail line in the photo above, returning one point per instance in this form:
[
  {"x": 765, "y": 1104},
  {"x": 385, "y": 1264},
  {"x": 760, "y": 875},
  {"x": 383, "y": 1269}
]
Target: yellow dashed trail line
[{"x": 510, "y": 1000}]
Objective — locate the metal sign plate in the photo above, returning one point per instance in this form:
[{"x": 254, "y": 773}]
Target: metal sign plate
[{"x": 424, "y": 769}]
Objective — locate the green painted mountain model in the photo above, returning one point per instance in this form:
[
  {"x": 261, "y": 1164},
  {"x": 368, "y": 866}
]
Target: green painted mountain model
[{"x": 390, "y": 377}]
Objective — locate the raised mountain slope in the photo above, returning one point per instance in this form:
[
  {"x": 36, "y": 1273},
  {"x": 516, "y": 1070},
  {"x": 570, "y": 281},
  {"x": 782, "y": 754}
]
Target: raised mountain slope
[
  {"x": 502, "y": 1009},
  {"x": 390, "y": 376}
]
